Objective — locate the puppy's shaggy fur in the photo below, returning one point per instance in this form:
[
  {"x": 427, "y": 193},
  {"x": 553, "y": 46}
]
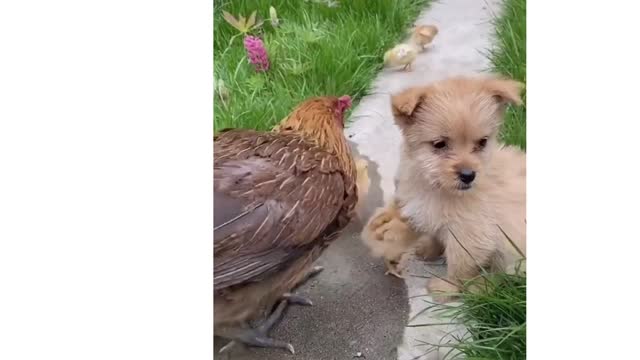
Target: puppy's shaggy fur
[{"x": 457, "y": 187}]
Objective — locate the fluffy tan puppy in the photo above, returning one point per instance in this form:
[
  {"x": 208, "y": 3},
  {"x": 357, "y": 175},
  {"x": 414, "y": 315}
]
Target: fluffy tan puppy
[{"x": 458, "y": 188}]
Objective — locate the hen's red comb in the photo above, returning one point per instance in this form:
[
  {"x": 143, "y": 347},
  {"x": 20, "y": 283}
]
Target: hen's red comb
[{"x": 345, "y": 101}]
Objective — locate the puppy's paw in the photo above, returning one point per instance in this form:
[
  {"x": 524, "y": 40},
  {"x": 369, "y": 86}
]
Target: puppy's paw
[{"x": 442, "y": 291}]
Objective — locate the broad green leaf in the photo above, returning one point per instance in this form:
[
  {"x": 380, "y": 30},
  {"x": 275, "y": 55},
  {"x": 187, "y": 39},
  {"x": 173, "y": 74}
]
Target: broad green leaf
[
  {"x": 232, "y": 20},
  {"x": 252, "y": 20}
]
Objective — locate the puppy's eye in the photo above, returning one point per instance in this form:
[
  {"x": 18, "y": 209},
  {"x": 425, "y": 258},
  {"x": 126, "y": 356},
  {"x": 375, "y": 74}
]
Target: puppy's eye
[
  {"x": 482, "y": 143},
  {"x": 439, "y": 144}
]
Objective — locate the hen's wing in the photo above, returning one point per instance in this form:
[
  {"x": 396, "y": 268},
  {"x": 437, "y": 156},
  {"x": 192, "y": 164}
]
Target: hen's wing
[{"x": 276, "y": 197}]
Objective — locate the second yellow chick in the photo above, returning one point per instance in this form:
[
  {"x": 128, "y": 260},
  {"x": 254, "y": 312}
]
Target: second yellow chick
[
  {"x": 402, "y": 54},
  {"x": 423, "y": 36},
  {"x": 363, "y": 182}
]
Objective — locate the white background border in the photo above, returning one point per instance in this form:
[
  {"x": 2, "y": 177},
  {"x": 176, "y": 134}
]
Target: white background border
[{"x": 106, "y": 179}]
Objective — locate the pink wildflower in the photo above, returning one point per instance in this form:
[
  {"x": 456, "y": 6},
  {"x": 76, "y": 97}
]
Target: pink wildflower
[{"x": 257, "y": 53}]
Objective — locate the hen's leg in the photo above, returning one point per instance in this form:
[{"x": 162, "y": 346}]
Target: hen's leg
[
  {"x": 313, "y": 272},
  {"x": 291, "y": 298},
  {"x": 259, "y": 336},
  {"x": 297, "y": 299}
]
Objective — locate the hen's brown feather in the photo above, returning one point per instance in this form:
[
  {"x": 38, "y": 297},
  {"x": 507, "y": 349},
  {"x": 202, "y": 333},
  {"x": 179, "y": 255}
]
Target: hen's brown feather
[{"x": 277, "y": 196}]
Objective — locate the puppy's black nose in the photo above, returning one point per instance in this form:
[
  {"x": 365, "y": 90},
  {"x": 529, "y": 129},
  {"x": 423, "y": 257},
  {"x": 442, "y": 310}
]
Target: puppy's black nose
[{"x": 466, "y": 175}]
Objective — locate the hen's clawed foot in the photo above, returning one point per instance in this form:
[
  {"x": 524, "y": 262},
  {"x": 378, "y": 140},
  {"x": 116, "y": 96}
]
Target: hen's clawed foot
[
  {"x": 313, "y": 272},
  {"x": 298, "y": 299},
  {"x": 259, "y": 336}
]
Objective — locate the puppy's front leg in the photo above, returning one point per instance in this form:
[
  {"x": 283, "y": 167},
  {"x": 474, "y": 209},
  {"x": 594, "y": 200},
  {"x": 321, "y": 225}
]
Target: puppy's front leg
[{"x": 465, "y": 253}]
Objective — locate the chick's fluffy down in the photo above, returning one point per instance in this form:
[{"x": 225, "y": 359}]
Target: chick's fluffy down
[
  {"x": 403, "y": 54},
  {"x": 363, "y": 182},
  {"x": 387, "y": 235}
]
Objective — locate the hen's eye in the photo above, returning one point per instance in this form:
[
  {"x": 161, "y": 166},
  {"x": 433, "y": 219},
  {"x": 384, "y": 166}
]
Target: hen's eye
[
  {"x": 439, "y": 144},
  {"x": 482, "y": 143}
]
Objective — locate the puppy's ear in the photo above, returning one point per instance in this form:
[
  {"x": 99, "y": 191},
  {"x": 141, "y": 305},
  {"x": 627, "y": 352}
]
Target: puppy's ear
[
  {"x": 404, "y": 104},
  {"x": 505, "y": 91}
]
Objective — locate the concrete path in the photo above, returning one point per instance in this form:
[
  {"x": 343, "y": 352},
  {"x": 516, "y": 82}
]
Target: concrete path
[{"x": 358, "y": 311}]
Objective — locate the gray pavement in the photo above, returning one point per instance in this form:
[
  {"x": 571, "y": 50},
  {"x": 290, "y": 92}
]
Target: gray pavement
[{"x": 359, "y": 310}]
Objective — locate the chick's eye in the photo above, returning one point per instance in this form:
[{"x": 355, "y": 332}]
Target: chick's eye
[
  {"x": 482, "y": 143},
  {"x": 439, "y": 144}
]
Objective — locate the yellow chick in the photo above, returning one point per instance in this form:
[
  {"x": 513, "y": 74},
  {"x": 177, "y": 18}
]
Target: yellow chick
[
  {"x": 423, "y": 35},
  {"x": 389, "y": 236},
  {"x": 362, "y": 167},
  {"x": 403, "y": 54},
  {"x": 363, "y": 182}
]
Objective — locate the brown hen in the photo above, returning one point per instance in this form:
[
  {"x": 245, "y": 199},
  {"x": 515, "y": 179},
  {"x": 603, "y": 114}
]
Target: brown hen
[{"x": 280, "y": 198}]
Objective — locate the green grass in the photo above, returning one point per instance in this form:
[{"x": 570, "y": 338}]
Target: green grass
[
  {"x": 510, "y": 59},
  {"x": 496, "y": 319},
  {"x": 317, "y": 50}
]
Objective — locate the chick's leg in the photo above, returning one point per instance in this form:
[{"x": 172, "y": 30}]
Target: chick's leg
[{"x": 392, "y": 269}]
